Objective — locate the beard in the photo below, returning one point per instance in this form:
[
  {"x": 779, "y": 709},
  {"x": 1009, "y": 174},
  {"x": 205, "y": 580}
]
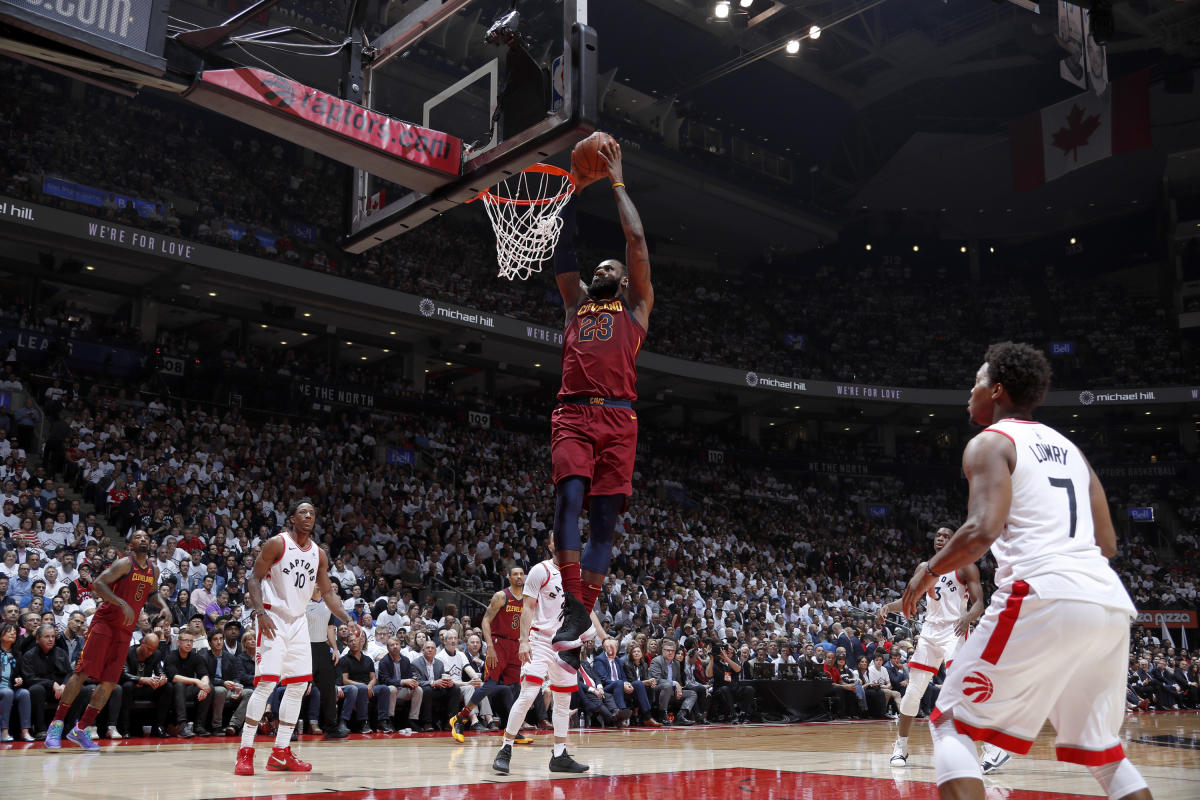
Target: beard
[{"x": 603, "y": 289}]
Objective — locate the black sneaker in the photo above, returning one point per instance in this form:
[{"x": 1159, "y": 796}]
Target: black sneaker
[
  {"x": 339, "y": 731},
  {"x": 570, "y": 658},
  {"x": 576, "y": 621},
  {"x": 565, "y": 763},
  {"x": 504, "y": 757},
  {"x": 386, "y": 727}
]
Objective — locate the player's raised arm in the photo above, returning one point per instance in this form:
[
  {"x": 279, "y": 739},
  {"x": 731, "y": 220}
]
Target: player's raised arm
[
  {"x": 103, "y": 586},
  {"x": 272, "y": 551},
  {"x": 566, "y": 262},
  {"x": 637, "y": 254}
]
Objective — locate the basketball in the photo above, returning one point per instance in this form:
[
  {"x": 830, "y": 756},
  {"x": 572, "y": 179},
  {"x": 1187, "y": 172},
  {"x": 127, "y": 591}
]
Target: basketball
[{"x": 586, "y": 159}]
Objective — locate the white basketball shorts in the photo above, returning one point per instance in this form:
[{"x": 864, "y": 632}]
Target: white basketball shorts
[{"x": 286, "y": 658}]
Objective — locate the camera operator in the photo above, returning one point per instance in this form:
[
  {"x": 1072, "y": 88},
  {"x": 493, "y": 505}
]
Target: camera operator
[{"x": 729, "y": 687}]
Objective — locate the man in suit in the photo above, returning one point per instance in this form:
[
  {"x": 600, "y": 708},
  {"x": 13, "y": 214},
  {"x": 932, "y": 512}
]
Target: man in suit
[
  {"x": 1142, "y": 684},
  {"x": 397, "y": 672},
  {"x": 848, "y": 638},
  {"x": 223, "y": 672},
  {"x": 1165, "y": 686},
  {"x": 1190, "y": 687},
  {"x": 144, "y": 678},
  {"x": 669, "y": 687},
  {"x": 596, "y": 701},
  {"x": 437, "y": 688},
  {"x": 612, "y": 674}
]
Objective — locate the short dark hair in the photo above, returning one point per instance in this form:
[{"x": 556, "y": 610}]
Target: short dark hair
[
  {"x": 1022, "y": 369},
  {"x": 294, "y": 507}
]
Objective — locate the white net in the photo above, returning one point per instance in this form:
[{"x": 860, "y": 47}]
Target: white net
[{"x": 524, "y": 211}]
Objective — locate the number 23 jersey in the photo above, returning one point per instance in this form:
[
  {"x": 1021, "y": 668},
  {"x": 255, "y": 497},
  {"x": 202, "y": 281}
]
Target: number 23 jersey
[
  {"x": 290, "y": 581},
  {"x": 1049, "y": 540},
  {"x": 600, "y": 350}
]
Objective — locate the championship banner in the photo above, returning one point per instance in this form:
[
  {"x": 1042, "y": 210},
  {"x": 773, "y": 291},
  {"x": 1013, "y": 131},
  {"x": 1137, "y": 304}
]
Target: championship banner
[{"x": 1171, "y": 618}]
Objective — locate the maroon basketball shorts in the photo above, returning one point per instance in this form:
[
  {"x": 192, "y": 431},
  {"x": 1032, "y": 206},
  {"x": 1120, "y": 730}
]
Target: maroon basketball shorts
[
  {"x": 104, "y": 652},
  {"x": 508, "y": 666},
  {"x": 597, "y": 443}
]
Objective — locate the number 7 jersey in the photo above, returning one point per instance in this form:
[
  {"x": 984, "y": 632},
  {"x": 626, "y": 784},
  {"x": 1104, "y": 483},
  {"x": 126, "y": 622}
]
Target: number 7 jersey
[
  {"x": 1049, "y": 540},
  {"x": 289, "y": 583}
]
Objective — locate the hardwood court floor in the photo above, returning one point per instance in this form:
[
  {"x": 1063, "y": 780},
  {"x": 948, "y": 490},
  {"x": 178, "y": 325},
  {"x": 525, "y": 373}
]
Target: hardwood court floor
[{"x": 830, "y": 761}]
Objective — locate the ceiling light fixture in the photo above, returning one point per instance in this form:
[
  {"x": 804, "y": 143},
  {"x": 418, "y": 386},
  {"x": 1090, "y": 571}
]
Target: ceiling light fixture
[
  {"x": 721, "y": 10},
  {"x": 792, "y": 47},
  {"x": 814, "y": 32}
]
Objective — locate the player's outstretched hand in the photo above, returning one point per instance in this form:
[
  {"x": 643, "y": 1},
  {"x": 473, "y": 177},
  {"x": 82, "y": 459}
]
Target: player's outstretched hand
[
  {"x": 610, "y": 151},
  {"x": 266, "y": 626}
]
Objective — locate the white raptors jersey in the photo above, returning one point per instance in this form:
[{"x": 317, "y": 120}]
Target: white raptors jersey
[
  {"x": 289, "y": 584},
  {"x": 945, "y": 602},
  {"x": 544, "y": 583},
  {"x": 1050, "y": 539}
]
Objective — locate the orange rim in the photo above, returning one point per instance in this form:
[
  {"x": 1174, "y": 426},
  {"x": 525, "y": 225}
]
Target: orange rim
[{"x": 544, "y": 169}]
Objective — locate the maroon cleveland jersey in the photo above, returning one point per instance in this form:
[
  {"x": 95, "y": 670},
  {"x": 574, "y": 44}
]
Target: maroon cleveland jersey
[
  {"x": 134, "y": 588},
  {"x": 507, "y": 622},
  {"x": 600, "y": 349}
]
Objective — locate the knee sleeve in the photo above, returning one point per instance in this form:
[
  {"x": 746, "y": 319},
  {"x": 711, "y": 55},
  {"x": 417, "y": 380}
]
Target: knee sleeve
[
  {"x": 258, "y": 700},
  {"x": 567, "y": 506},
  {"x": 1118, "y": 779},
  {"x": 918, "y": 682},
  {"x": 954, "y": 754},
  {"x": 602, "y": 531},
  {"x": 562, "y": 714},
  {"x": 516, "y": 715},
  {"x": 289, "y": 707}
]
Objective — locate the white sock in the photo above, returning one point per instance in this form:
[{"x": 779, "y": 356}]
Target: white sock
[
  {"x": 255, "y": 709},
  {"x": 902, "y": 741},
  {"x": 289, "y": 712},
  {"x": 954, "y": 754},
  {"x": 508, "y": 740},
  {"x": 248, "y": 733},
  {"x": 1119, "y": 778},
  {"x": 560, "y": 748}
]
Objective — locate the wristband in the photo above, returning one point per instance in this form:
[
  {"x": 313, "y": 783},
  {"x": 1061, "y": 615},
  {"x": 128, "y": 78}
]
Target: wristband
[
  {"x": 930, "y": 570},
  {"x": 618, "y": 184}
]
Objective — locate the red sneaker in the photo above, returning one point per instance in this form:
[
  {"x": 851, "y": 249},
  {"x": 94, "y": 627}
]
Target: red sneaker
[
  {"x": 282, "y": 760},
  {"x": 245, "y": 761}
]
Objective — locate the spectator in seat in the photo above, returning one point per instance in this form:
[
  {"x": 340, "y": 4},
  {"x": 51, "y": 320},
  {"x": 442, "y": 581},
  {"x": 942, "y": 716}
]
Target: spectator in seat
[
  {"x": 1167, "y": 690},
  {"x": 668, "y": 688},
  {"x": 595, "y": 702},
  {"x": 437, "y": 688},
  {"x": 12, "y": 688},
  {"x": 611, "y": 669},
  {"x": 638, "y": 671},
  {"x": 724, "y": 671},
  {"x": 223, "y": 673},
  {"x": 244, "y": 662},
  {"x": 188, "y": 675},
  {"x": 896, "y": 671},
  {"x": 396, "y": 672},
  {"x": 879, "y": 679},
  {"x": 694, "y": 678},
  {"x": 360, "y": 684},
  {"x": 145, "y": 678},
  {"x": 853, "y": 694},
  {"x": 45, "y": 671}
]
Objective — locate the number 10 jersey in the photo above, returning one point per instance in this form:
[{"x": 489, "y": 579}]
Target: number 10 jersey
[
  {"x": 290, "y": 581},
  {"x": 1049, "y": 540}
]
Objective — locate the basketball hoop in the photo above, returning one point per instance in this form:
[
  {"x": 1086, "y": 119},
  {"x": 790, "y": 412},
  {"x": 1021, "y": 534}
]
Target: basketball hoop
[{"x": 524, "y": 210}]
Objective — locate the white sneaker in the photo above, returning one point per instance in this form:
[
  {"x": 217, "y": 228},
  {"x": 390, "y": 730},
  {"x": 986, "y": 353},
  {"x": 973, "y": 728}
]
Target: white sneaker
[
  {"x": 993, "y": 759},
  {"x": 899, "y": 754},
  {"x": 113, "y": 733}
]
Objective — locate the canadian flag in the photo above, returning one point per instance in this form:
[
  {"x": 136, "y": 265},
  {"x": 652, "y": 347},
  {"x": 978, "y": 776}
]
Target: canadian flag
[
  {"x": 1087, "y": 128},
  {"x": 376, "y": 201}
]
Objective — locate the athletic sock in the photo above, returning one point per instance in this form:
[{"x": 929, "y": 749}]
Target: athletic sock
[
  {"x": 283, "y": 735},
  {"x": 508, "y": 740},
  {"x": 248, "y": 733},
  {"x": 590, "y": 592},
  {"x": 89, "y": 716},
  {"x": 570, "y": 579},
  {"x": 559, "y": 748},
  {"x": 61, "y": 712}
]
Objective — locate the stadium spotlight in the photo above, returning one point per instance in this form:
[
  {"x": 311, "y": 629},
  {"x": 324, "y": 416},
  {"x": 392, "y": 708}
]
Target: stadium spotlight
[
  {"x": 868, "y": 245},
  {"x": 991, "y": 249},
  {"x": 962, "y": 249},
  {"x": 745, "y": 3},
  {"x": 814, "y": 32},
  {"x": 721, "y": 10},
  {"x": 792, "y": 47},
  {"x": 1072, "y": 240},
  {"x": 916, "y": 248}
]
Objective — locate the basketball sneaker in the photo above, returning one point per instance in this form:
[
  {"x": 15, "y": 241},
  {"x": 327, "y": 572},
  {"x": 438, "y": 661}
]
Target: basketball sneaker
[
  {"x": 82, "y": 738},
  {"x": 577, "y": 621},
  {"x": 458, "y": 728},
  {"x": 993, "y": 759},
  {"x": 283, "y": 760},
  {"x": 521, "y": 738},
  {"x": 899, "y": 754},
  {"x": 502, "y": 760},
  {"x": 565, "y": 763},
  {"x": 54, "y": 735},
  {"x": 245, "y": 761}
]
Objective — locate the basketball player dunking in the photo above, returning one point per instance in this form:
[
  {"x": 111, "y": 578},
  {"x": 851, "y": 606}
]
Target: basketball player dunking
[
  {"x": 594, "y": 428},
  {"x": 1037, "y": 503},
  {"x": 947, "y": 623},
  {"x": 124, "y": 588},
  {"x": 502, "y": 631},
  {"x": 278, "y": 591}
]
